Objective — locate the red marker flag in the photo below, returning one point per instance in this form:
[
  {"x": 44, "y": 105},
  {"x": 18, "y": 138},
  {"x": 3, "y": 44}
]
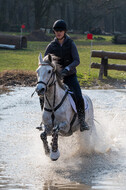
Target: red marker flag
[
  {"x": 22, "y": 26},
  {"x": 90, "y": 36}
]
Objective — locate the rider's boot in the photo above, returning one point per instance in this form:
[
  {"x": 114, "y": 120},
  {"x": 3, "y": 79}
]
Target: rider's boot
[
  {"x": 83, "y": 124},
  {"x": 81, "y": 117}
]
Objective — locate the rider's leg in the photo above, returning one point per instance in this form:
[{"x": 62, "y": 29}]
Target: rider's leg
[{"x": 74, "y": 86}]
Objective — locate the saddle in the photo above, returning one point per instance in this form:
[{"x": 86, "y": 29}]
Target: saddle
[{"x": 73, "y": 101}]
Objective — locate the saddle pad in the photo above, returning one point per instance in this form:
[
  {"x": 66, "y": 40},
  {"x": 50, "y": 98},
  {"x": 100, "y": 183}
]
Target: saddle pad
[{"x": 74, "y": 105}]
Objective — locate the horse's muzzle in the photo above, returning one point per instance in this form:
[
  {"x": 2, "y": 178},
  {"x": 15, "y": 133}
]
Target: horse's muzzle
[{"x": 40, "y": 92}]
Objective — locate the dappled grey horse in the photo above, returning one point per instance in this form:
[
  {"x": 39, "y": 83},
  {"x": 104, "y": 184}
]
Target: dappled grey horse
[{"x": 59, "y": 116}]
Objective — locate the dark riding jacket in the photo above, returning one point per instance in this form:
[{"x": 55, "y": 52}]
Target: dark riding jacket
[{"x": 67, "y": 52}]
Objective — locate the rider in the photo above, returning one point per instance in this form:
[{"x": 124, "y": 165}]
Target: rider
[{"x": 63, "y": 47}]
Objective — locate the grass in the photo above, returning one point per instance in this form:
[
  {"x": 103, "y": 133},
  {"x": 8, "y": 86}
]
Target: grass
[{"x": 27, "y": 59}]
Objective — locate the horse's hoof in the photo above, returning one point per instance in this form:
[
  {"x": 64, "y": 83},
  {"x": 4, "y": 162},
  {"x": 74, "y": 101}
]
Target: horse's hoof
[
  {"x": 54, "y": 159},
  {"x": 54, "y": 155}
]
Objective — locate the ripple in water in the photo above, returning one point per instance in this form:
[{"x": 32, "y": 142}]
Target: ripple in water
[{"x": 95, "y": 163}]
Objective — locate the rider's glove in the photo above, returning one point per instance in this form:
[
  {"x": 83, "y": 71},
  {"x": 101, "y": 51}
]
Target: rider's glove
[{"x": 64, "y": 73}]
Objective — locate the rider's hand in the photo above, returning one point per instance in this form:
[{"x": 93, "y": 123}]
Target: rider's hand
[{"x": 64, "y": 73}]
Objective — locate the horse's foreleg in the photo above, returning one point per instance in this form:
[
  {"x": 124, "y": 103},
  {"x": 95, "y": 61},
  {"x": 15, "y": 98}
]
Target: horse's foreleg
[
  {"x": 43, "y": 137},
  {"x": 54, "y": 154}
]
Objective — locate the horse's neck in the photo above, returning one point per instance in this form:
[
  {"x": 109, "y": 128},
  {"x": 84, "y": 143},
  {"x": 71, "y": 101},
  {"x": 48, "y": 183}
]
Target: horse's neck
[{"x": 54, "y": 92}]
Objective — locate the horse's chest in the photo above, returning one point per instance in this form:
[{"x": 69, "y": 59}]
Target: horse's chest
[{"x": 57, "y": 117}]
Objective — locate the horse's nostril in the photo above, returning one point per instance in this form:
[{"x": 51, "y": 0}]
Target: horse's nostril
[{"x": 40, "y": 91}]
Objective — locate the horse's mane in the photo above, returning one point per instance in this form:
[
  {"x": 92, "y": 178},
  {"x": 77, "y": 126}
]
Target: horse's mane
[{"x": 53, "y": 61}]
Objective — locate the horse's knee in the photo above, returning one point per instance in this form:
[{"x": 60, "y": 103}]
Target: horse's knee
[
  {"x": 64, "y": 128},
  {"x": 43, "y": 136}
]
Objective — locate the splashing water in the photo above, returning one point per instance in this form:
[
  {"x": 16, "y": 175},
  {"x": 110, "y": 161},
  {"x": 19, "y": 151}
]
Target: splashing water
[{"x": 85, "y": 163}]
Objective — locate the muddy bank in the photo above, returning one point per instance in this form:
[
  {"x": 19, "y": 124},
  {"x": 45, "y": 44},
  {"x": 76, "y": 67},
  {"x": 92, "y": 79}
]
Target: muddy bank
[
  {"x": 29, "y": 78},
  {"x": 18, "y": 78}
]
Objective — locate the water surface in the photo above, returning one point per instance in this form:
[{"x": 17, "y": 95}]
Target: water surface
[{"x": 23, "y": 164}]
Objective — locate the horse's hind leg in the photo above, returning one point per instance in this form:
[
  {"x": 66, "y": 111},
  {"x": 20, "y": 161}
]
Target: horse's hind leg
[
  {"x": 54, "y": 154},
  {"x": 43, "y": 137}
]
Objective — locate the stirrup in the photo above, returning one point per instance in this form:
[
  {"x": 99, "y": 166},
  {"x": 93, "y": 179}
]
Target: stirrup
[{"x": 40, "y": 127}]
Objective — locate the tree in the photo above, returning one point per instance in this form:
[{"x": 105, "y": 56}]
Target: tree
[
  {"x": 3, "y": 12},
  {"x": 41, "y": 8},
  {"x": 80, "y": 15}
]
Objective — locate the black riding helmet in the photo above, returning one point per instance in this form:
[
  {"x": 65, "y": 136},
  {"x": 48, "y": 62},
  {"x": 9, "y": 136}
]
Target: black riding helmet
[{"x": 60, "y": 25}]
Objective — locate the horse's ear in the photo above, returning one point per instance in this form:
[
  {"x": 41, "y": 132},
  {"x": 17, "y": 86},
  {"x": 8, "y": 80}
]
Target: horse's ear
[
  {"x": 50, "y": 58},
  {"x": 40, "y": 58}
]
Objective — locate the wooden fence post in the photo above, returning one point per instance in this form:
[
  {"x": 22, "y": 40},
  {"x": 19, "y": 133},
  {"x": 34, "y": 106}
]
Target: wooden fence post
[{"x": 103, "y": 68}]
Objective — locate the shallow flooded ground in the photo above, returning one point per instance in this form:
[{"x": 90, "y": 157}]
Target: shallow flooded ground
[{"x": 23, "y": 164}]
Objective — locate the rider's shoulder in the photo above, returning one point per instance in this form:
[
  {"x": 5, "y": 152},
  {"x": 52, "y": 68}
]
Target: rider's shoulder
[
  {"x": 53, "y": 42},
  {"x": 68, "y": 38}
]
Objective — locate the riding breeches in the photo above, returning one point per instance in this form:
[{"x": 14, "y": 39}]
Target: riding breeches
[{"x": 73, "y": 84}]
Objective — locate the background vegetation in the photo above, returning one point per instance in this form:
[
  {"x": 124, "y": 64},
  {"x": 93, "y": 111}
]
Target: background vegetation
[
  {"x": 27, "y": 59},
  {"x": 80, "y": 15},
  {"x": 106, "y": 17}
]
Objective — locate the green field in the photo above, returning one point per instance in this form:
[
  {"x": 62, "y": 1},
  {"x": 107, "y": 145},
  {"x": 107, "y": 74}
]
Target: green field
[{"x": 27, "y": 59}]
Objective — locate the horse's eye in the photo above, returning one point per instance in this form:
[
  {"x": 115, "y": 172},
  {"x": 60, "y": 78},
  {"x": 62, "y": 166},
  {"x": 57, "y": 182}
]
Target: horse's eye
[{"x": 49, "y": 71}]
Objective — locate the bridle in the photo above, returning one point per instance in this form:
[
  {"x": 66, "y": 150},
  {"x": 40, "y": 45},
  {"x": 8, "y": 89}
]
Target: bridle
[{"x": 52, "y": 74}]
